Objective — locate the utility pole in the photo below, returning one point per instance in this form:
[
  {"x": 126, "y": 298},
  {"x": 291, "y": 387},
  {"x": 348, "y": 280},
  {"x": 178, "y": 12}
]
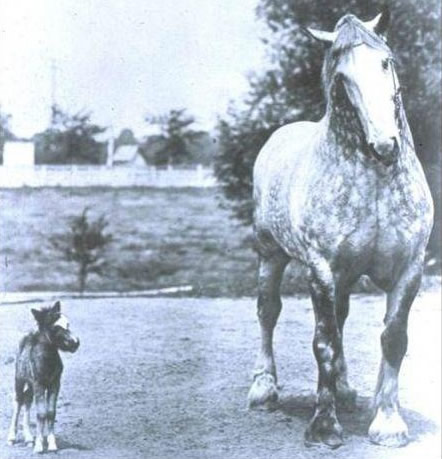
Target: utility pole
[{"x": 54, "y": 69}]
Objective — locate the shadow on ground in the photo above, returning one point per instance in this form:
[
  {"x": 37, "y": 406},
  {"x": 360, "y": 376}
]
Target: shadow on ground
[{"x": 354, "y": 419}]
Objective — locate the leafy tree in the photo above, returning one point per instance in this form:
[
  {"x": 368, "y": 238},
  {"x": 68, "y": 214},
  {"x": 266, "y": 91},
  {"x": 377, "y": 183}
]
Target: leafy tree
[
  {"x": 176, "y": 136},
  {"x": 84, "y": 244},
  {"x": 290, "y": 88},
  {"x": 70, "y": 139}
]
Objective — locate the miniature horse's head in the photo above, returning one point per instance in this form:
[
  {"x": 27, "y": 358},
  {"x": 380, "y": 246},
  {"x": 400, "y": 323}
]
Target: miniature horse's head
[
  {"x": 55, "y": 327},
  {"x": 359, "y": 63}
]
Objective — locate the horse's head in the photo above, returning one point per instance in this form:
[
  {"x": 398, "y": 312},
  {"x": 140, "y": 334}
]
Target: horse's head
[
  {"x": 55, "y": 327},
  {"x": 359, "y": 61}
]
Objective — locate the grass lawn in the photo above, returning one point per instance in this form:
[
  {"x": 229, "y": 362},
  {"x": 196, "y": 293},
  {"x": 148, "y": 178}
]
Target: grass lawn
[{"x": 162, "y": 238}]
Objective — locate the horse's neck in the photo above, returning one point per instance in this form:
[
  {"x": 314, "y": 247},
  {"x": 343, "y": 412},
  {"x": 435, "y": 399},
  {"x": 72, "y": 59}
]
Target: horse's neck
[
  {"x": 44, "y": 343},
  {"x": 343, "y": 131}
]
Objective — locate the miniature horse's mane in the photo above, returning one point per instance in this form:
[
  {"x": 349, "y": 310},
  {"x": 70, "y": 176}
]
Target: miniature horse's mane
[{"x": 351, "y": 32}]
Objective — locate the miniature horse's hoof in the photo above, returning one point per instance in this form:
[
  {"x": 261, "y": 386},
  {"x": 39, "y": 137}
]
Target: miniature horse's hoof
[
  {"x": 11, "y": 442},
  {"x": 388, "y": 430},
  {"x": 325, "y": 431},
  {"x": 263, "y": 394},
  {"x": 38, "y": 447},
  {"x": 52, "y": 445}
]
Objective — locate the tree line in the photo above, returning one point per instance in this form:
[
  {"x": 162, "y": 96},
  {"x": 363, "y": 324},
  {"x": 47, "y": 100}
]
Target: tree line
[{"x": 75, "y": 139}]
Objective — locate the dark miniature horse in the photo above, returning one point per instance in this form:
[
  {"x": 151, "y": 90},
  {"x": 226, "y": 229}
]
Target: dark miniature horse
[
  {"x": 37, "y": 373},
  {"x": 345, "y": 197}
]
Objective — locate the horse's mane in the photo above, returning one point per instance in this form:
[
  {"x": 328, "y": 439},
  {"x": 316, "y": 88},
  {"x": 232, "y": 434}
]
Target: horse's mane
[{"x": 351, "y": 33}]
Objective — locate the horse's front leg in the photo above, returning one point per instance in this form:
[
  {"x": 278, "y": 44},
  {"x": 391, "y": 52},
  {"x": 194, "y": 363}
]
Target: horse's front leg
[
  {"x": 52, "y": 405},
  {"x": 324, "y": 428},
  {"x": 41, "y": 407},
  {"x": 263, "y": 392},
  {"x": 344, "y": 392},
  {"x": 388, "y": 428}
]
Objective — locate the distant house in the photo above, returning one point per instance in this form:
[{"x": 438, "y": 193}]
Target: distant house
[
  {"x": 128, "y": 155},
  {"x": 18, "y": 153}
]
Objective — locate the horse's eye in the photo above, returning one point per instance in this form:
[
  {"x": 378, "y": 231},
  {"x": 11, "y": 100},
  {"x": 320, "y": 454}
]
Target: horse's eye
[{"x": 385, "y": 64}]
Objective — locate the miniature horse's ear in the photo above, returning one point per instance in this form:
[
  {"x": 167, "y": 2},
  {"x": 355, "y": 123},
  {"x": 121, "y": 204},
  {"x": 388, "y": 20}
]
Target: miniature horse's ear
[
  {"x": 380, "y": 23},
  {"x": 56, "y": 307},
  {"x": 37, "y": 315}
]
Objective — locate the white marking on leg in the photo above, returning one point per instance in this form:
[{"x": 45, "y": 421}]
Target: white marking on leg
[
  {"x": 263, "y": 391},
  {"x": 38, "y": 447},
  {"x": 388, "y": 429},
  {"x": 29, "y": 438},
  {"x": 52, "y": 444},
  {"x": 12, "y": 434}
]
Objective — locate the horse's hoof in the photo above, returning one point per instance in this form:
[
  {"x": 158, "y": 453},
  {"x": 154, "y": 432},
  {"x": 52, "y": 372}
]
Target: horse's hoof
[
  {"x": 388, "y": 430},
  {"x": 324, "y": 431},
  {"x": 11, "y": 442},
  {"x": 30, "y": 444},
  {"x": 263, "y": 394}
]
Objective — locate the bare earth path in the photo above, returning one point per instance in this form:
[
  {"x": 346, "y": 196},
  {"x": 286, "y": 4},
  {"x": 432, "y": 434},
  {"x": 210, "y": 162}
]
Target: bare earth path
[{"x": 168, "y": 378}]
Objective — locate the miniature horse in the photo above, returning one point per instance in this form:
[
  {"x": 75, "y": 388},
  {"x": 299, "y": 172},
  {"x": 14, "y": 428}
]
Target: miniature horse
[
  {"x": 37, "y": 373},
  {"x": 345, "y": 197}
]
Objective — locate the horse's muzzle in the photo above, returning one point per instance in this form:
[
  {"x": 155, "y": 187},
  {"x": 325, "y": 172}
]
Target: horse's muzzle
[
  {"x": 386, "y": 152},
  {"x": 71, "y": 344}
]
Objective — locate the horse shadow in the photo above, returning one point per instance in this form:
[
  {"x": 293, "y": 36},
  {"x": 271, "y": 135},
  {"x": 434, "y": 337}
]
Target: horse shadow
[{"x": 355, "y": 418}]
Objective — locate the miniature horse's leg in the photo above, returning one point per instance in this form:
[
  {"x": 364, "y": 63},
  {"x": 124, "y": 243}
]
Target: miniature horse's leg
[
  {"x": 18, "y": 403},
  {"x": 324, "y": 427},
  {"x": 52, "y": 405},
  {"x": 344, "y": 392},
  {"x": 40, "y": 404},
  {"x": 28, "y": 397},
  {"x": 264, "y": 390},
  {"x": 388, "y": 428}
]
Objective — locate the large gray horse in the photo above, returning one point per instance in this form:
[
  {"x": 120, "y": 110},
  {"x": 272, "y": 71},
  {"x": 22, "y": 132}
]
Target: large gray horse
[{"x": 345, "y": 196}]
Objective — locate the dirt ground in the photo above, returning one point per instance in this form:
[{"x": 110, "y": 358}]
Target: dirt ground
[{"x": 168, "y": 378}]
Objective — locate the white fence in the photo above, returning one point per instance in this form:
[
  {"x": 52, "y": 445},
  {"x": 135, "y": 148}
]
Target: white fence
[{"x": 89, "y": 176}]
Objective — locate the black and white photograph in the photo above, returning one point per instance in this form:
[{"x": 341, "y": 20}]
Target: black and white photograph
[{"x": 220, "y": 229}]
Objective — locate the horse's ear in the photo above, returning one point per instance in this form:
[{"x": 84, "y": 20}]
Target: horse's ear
[
  {"x": 380, "y": 23},
  {"x": 56, "y": 307},
  {"x": 37, "y": 314},
  {"x": 320, "y": 35}
]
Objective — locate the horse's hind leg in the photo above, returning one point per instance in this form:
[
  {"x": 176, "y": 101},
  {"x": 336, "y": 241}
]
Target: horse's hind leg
[
  {"x": 324, "y": 428},
  {"x": 264, "y": 390},
  {"x": 18, "y": 403},
  {"x": 388, "y": 428}
]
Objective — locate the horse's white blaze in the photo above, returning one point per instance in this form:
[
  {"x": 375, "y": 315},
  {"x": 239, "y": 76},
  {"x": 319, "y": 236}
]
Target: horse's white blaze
[
  {"x": 371, "y": 88},
  {"x": 62, "y": 322}
]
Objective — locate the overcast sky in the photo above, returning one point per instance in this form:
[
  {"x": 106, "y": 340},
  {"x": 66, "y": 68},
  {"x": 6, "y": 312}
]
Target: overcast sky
[{"x": 123, "y": 59}]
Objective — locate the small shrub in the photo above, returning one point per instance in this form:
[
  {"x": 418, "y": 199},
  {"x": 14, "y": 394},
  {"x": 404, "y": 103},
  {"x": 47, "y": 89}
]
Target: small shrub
[{"x": 85, "y": 244}]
